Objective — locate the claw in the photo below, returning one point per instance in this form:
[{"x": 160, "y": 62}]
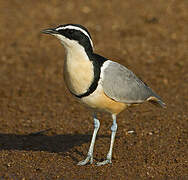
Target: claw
[
  {"x": 107, "y": 161},
  {"x": 89, "y": 159}
]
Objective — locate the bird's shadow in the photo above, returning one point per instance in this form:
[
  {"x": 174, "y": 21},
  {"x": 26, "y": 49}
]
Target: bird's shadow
[{"x": 41, "y": 142}]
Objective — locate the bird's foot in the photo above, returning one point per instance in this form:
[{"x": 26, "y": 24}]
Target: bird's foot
[
  {"x": 107, "y": 161},
  {"x": 89, "y": 159}
]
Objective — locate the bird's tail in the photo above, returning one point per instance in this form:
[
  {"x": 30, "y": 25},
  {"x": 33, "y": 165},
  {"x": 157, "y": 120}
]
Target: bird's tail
[{"x": 156, "y": 100}]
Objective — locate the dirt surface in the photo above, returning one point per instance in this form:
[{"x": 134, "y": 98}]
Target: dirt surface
[{"x": 149, "y": 37}]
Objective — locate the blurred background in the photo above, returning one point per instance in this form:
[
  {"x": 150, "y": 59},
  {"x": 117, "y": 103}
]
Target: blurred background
[{"x": 148, "y": 37}]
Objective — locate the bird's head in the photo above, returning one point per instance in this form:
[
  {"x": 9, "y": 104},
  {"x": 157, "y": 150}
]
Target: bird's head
[{"x": 72, "y": 36}]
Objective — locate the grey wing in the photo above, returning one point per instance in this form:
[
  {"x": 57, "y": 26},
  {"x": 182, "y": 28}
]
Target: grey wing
[{"x": 122, "y": 85}]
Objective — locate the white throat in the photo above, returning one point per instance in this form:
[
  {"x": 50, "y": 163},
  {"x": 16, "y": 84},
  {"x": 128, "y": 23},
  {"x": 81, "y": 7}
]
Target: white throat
[
  {"x": 72, "y": 47},
  {"x": 78, "y": 69}
]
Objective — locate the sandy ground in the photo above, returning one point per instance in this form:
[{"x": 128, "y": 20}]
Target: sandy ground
[{"x": 148, "y": 37}]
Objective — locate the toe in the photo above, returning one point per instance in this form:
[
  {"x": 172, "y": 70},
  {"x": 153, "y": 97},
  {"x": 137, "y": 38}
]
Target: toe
[
  {"x": 104, "y": 162},
  {"x": 82, "y": 163},
  {"x": 86, "y": 161}
]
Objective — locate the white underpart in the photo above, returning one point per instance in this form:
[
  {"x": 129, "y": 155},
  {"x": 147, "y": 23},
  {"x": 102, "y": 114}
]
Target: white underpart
[
  {"x": 78, "y": 29},
  {"x": 78, "y": 69}
]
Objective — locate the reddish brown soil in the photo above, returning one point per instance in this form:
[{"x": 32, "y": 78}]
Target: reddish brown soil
[{"x": 149, "y": 37}]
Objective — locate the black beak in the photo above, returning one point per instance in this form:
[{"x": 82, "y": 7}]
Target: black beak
[{"x": 49, "y": 31}]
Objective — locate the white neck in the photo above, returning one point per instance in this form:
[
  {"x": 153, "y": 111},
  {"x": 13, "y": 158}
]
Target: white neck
[
  {"x": 78, "y": 69},
  {"x": 75, "y": 52}
]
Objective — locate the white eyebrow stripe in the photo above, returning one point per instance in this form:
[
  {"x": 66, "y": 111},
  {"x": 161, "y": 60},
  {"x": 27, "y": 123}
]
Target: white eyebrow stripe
[{"x": 76, "y": 28}]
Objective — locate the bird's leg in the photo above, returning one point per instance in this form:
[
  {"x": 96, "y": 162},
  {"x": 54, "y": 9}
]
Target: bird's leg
[
  {"x": 89, "y": 157},
  {"x": 109, "y": 155}
]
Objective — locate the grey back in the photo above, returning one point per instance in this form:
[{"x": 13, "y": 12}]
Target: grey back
[{"x": 122, "y": 85}]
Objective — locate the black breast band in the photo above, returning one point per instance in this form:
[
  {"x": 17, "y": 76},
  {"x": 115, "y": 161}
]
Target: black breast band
[{"x": 97, "y": 61}]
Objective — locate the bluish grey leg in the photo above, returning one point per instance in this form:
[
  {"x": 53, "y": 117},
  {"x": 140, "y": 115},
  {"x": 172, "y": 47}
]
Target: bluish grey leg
[
  {"x": 89, "y": 157},
  {"x": 109, "y": 155}
]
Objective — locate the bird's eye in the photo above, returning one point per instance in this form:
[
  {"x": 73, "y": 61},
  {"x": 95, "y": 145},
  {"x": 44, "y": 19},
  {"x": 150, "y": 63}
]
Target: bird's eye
[{"x": 71, "y": 31}]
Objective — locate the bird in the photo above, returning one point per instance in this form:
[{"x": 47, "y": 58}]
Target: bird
[{"x": 98, "y": 82}]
